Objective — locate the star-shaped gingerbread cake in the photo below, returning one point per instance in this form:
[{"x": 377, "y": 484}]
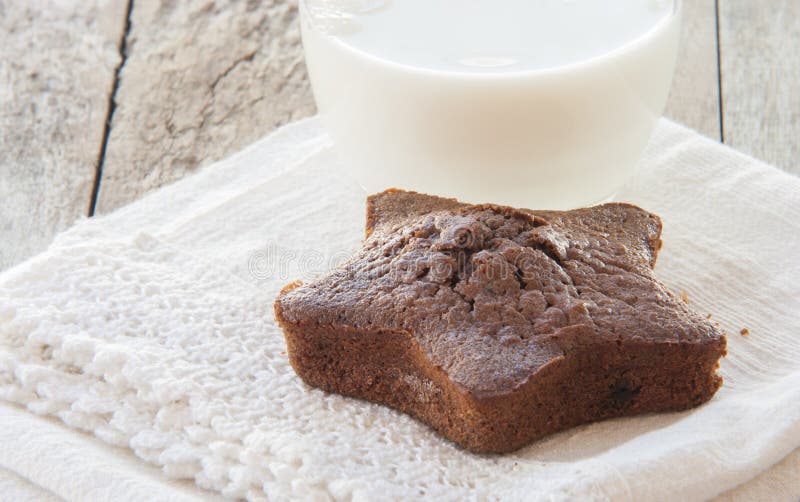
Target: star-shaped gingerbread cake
[{"x": 497, "y": 326}]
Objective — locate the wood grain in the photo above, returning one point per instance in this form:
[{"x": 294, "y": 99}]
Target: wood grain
[
  {"x": 760, "y": 65},
  {"x": 694, "y": 97},
  {"x": 57, "y": 62},
  {"x": 202, "y": 80}
]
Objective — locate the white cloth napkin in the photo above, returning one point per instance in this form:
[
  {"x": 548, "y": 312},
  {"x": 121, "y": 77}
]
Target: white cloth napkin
[{"x": 152, "y": 329}]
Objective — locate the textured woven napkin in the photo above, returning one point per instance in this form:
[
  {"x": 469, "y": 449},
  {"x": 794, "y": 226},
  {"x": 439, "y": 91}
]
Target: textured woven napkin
[{"x": 152, "y": 329}]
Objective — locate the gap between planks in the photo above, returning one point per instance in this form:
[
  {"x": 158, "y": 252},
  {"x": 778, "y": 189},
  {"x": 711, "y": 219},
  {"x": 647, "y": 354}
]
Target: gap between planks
[
  {"x": 720, "y": 100},
  {"x": 112, "y": 105}
]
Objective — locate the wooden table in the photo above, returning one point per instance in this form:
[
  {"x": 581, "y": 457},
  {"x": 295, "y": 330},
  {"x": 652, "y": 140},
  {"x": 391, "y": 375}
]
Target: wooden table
[{"x": 102, "y": 101}]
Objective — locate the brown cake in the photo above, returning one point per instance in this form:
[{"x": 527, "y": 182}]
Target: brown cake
[{"x": 497, "y": 326}]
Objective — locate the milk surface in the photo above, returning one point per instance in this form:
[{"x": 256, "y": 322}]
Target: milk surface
[{"x": 488, "y": 35}]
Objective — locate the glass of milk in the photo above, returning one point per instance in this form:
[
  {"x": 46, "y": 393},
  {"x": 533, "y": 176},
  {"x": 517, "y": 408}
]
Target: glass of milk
[{"x": 532, "y": 103}]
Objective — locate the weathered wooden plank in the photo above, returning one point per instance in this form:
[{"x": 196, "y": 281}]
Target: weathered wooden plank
[
  {"x": 57, "y": 62},
  {"x": 760, "y": 53},
  {"x": 694, "y": 97},
  {"x": 202, "y": 80}
]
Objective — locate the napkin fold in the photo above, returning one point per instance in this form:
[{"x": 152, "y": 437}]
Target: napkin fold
[{"x": 152, "y": 329}]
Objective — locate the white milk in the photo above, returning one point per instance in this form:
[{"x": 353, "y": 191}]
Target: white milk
[{"x": 536, "y": 103}]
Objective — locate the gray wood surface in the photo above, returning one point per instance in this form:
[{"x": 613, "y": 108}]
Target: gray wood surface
[
  {"x": 57, "y": 62},
  {"x": 694, "y": 97},
  {"x": 760, "y": 48},
  {"x": 202, "y": 80}
]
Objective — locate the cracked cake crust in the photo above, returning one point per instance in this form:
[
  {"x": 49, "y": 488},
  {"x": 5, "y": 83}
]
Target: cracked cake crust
[{"x": 497, "y": 326}]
